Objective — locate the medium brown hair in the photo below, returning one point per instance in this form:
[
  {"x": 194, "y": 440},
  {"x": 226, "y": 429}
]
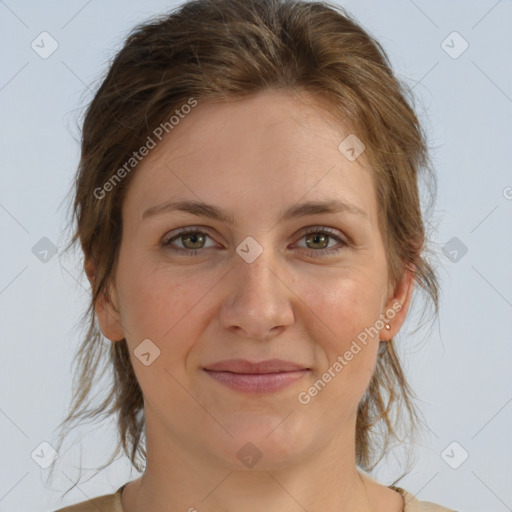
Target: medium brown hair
[{"x": 226, "y": 50}]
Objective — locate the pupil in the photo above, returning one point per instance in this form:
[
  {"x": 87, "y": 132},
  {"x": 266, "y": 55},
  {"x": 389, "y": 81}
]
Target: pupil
[
  {"x": 193, "y": 237},
  {"x": 317, "y": 237}
]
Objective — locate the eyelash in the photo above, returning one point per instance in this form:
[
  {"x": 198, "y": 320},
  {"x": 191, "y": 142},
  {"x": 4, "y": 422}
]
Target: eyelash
[{"x": 322, "y": 230}]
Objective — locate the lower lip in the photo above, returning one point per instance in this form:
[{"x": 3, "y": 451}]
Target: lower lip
[{"x": 258, "y": 382}]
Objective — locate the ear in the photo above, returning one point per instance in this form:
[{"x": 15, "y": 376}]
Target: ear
[
  {"x": 398, "y": 305},
  {"x": 106, "y": 308}
]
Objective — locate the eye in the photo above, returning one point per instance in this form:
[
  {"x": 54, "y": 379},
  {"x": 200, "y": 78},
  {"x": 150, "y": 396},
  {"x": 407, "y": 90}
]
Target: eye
[
  {"x": 193, "y": 240},
  {"x": 320, "y": 236}
]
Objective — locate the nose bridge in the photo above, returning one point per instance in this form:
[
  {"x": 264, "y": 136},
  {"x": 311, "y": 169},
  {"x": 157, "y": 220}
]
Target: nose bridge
[
  {"x": 258, "y": 299},
  {"x": 258, "y": 275}
]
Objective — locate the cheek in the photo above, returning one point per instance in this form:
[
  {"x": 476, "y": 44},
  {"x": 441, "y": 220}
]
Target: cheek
[
  {"x": 343, "y": 315},
  {"x": 158, "y": 304},
  {"x": 346, "y": 306},
  {"x": 165, "y": 309}
]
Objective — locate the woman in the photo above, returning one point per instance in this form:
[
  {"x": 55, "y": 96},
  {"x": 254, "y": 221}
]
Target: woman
[{"x": 247, "y": 204}]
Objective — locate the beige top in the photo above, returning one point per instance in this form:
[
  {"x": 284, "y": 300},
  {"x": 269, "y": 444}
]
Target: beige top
[{"x": 112, "y": 503}]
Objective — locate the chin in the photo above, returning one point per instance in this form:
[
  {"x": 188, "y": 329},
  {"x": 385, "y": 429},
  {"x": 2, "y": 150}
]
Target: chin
[{"x": 262, "y": 443}]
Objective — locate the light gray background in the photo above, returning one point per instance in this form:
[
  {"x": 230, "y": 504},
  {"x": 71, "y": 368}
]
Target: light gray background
[{"x": 460, "y": 370}]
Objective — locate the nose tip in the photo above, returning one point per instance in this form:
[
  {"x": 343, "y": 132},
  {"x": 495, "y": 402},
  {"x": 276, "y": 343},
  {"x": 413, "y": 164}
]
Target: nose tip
[{"x": 258, "y": 303}]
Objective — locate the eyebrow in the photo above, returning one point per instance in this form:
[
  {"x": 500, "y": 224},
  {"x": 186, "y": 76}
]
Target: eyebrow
[{"x": 211, "y": 211}]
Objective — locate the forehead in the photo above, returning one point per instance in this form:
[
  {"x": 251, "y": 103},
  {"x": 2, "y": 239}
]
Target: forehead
[
  {"x": 274, "y": 147},
  {"x": 266, "y": 120}
]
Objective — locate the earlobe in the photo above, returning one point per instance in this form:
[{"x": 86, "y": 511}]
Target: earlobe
[
  {"x": 109, "y": 318},
  {"x": 107, "y": 313},
  {"x": 398, "y": 305},
  {"x": 90, "y": 270}
]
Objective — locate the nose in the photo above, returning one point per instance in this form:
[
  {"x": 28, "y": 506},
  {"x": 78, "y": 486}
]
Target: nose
[{"x": 259, "y": 302}]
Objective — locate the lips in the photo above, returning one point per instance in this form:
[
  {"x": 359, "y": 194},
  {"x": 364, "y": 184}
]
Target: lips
[
  {"x": 262, "y": 367},
  {"x": 267, "y": 376}
]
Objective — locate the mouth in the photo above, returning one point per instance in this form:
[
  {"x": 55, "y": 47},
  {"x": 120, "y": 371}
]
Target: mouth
[{"x": 263, "y": 377}]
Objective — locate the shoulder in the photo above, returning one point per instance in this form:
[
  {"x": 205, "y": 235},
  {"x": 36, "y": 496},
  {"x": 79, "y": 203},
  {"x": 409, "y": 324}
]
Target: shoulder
[
  {"x": 412, "y": 504},
  {"x": 105, "y": 503}
]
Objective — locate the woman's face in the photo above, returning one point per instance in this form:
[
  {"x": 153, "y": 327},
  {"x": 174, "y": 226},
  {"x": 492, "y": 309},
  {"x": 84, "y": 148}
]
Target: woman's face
[{"x": 255, "y": 286}]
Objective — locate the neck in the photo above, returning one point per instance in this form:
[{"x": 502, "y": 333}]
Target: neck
[
  {"x": 271, "y": 491},
  {"x": 178, "y": 477}
]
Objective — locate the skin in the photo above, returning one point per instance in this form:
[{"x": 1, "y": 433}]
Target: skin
[{"x": 254, "y": 157}]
